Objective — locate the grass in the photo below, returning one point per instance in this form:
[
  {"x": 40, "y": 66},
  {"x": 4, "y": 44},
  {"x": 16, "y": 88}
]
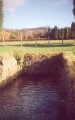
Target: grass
[{"x": 42, "y": 46}]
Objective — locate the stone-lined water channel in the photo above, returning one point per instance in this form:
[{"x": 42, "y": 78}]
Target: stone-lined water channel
[{"x": 31, "y": 99}]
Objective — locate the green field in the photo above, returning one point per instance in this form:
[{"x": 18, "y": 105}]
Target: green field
[{"x": 42, "y": 46}]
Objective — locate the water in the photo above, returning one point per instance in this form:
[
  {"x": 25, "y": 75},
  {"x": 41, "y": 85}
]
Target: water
[{"x": 30, "y": 99}]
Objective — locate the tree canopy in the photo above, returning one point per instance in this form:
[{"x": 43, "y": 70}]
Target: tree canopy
[
  {"x": 1, "y": 14},
  {"x": 74, "y": 7}
]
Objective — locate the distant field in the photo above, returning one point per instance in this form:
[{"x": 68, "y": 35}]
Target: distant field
[{"x": 42, "y": 46}]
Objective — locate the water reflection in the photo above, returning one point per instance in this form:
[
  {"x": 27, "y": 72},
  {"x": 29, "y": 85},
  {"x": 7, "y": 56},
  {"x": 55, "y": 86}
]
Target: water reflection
[{"x": 30, "y": 99}]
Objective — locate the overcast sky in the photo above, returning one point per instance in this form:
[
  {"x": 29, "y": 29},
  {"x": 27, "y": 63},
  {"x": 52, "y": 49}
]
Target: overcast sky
[{"x": 37, "y": 13}]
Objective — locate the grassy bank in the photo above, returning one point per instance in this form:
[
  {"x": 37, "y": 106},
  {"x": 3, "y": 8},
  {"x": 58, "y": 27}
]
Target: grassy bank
[{"x": 42, "y": 46}]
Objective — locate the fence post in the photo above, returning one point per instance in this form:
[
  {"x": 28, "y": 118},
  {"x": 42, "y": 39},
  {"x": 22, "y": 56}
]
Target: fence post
[
  {"x": 36, "y": 42},
  {"x": 21, "y": 39},
  {"x": 3, "y": 41},
  {"x": 48, "y": 41},
  {"x": 62, "y": 41}
]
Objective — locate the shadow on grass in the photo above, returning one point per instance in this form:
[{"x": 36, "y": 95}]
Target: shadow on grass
[{"x": 43, "y": 45}]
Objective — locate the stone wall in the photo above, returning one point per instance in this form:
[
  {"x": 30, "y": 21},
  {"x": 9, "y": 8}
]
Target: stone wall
[{"x": 8, "y": 68}]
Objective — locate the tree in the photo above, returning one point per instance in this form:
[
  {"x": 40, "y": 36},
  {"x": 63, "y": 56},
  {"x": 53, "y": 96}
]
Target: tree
[
  {"x": 74, "y": 16},
  {"x": 71, "y": 35},
  {"x": 73, "y": 26},
  {"x": 55, "y": 33},
  {"x": 48, "y": 34},
  {"x": 61, "y": 34},
  {"x": 1, "y": 14},
  {"x": 13, "y": 36},
  {"x": 73, "y": 30},
  {"x": 67, "y": 33},
  {"x": 74, "y": 8}
]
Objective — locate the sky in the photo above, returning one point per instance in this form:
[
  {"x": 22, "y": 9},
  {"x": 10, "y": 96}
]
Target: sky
[{"x": 19, "y": 14}]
